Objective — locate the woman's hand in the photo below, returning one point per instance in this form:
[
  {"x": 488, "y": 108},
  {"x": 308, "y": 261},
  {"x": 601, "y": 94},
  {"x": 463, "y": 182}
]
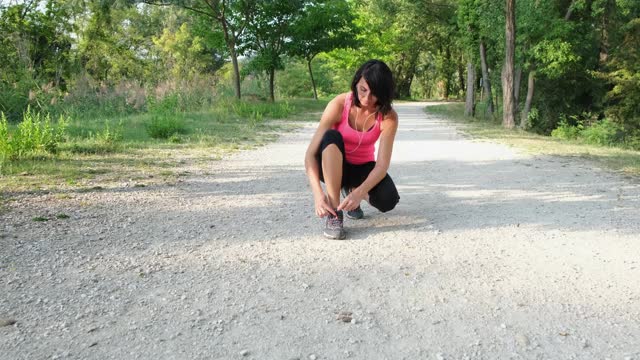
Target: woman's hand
[
  {"x": 323, "y": 207},
  {"x": 353, "y": 200}
]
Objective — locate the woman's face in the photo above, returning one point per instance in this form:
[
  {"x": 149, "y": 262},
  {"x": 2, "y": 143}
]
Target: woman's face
[{"x": 367, "y": 99}]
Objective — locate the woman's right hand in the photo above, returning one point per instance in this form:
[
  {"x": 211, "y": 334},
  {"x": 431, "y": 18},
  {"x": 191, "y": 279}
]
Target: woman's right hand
[{"x": 323, "y": 207}]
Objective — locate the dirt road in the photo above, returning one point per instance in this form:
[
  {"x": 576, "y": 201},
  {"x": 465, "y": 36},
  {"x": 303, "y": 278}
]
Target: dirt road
[{"x": 490, "y": 254}]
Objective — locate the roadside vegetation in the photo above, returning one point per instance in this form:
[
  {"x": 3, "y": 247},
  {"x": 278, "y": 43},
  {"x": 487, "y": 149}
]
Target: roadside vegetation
[
  {"x": 88, "y": 98},
  {"x": 80, "y": 151},
  {"x": 597, "y": 144}
]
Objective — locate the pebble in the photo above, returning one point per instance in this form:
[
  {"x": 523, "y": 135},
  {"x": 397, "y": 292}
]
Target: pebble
[
  {"x": 7, "y": 322},
  {"x": 345, "y": 316},
  {"x": 312, "y": 357},
  {"x": 244, "y": 352},
  {"x": 522, "y": 340}
]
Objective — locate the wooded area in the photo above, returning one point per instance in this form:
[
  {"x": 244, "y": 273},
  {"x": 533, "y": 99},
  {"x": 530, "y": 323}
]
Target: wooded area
[{"x": 571, "y": 66}]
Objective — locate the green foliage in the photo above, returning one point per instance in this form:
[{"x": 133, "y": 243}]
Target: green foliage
[
  {"x": 256, "y": 112},
  {"x": 623, "y": 74},
  {"x": 567, "y": 131},
  {"x": 169, "y": 104},
  {"x": 268, "y": 33},
  {"x": 187, "y": 52},
  {"x": 105, "y": 140},
  {"x": 165, "y": 126},
  {"x": 554, "y": 57},
  {"x": 604, "y": 133},
  {"x": 35, "y": 135},
  {"x": 601, "y": 133},
  {"x": 110, "y": 135},
  {"x": 294, "y": 81}
]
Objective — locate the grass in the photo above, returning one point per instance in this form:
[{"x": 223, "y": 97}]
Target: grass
[
  {"x": 101, "y": 152},
  {"x": 617, "y": 159}
]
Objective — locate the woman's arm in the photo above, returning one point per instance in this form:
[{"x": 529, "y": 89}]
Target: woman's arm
[
  {"x": 330, "y": 116},
  {"x": 388, "y": 127}
]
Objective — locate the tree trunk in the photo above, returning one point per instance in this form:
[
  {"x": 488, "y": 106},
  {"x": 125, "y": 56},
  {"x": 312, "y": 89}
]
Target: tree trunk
[
  {"x": 527, "y": 103},
  {"x": 313, "y": 82},
  {"x": 272, "y": 77},
  {"x": 404, "y": 72},
  {"x": 461, "y": 73},
  {"x": 469, "y": 105},
  {"x": 508, "y": 109},
  {"x": 236, "y": 70},
  {"x": 516, "y": 86},
  {"x": 604, "y": 32},
  {"x": 447, "y": 82},
  {"x": 567, "y": 15},
  {"x": 231, "y": 46},
  {"x": 486, "y": 82}
]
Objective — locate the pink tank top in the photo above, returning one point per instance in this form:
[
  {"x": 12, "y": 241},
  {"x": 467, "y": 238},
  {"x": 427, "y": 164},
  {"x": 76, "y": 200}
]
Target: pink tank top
[{"x": 359, "y": 146}]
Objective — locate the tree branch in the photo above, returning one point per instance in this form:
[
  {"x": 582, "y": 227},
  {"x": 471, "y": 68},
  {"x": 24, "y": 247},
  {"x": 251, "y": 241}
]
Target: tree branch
[
  {"x": 569, "y": 10},
  {"x": 162, "y": 3}
]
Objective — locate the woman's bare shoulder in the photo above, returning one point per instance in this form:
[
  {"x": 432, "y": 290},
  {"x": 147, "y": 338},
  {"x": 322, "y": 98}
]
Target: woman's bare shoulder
[
  {"x": 391, "y": 115},
  {"x": 340, "y": 98}
]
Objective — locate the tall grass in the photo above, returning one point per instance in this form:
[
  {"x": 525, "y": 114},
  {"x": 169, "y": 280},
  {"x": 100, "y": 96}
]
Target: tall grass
[
  {"x": 135, "y": 133},
  {"x": 35, "y": 135}
]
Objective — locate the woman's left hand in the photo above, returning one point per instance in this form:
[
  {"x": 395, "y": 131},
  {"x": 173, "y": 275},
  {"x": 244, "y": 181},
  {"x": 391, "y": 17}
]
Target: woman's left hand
[{"x": 352, "y": 201}]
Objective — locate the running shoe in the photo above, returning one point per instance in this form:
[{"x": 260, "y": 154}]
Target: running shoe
[
  {"x": 334, "y": 227},
  {"x": 355, "y": 214}
]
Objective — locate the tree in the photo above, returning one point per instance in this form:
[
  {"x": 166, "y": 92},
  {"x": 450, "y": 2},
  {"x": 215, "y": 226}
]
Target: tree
[
  {"x": 509, "y": 104},
  {"x": 325, "y": 26},
  {"x": 486, "y": 78},
  {"x": 269, "y": 35},
  {"x": 35, "y": 53},
  {"x": 232, "y": 16}
]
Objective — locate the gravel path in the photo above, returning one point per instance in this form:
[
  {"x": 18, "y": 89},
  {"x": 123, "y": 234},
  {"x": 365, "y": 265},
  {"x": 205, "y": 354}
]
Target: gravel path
[{"x": 490, "y": 254}]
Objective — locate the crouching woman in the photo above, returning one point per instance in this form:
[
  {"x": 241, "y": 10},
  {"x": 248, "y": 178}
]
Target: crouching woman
[{"x": 341, "y": 151}]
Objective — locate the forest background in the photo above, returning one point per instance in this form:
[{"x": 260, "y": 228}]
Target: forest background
[{"x": 83, "y": 79}]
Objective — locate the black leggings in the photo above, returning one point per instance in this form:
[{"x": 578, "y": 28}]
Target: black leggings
[{"x": 384, "y": 196}]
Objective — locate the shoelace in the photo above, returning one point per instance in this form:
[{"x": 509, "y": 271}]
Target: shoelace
[{"x": 335, "y": 222}]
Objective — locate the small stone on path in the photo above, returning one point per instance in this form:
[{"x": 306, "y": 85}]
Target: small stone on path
[
  {"x": 7, "y": 322},
  {"x": 345, "y": 316},
  {"x": 522, "y": 340}
]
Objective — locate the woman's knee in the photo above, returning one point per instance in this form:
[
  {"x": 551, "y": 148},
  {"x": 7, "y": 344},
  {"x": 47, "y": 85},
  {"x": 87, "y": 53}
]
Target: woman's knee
[
  {"x": 384, "y": 196},
  {"x": 386, "y": 202},
  {"x": 332, "y": 137}
]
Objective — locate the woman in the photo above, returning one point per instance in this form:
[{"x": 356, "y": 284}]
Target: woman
[{"x": 341, "y": 152}]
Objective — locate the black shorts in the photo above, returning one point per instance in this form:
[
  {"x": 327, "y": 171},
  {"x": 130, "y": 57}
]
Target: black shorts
[{"x": 384, "y": 196}]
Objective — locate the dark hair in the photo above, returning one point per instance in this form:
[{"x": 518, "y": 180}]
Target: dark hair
[{"x": 380, "y": 80}]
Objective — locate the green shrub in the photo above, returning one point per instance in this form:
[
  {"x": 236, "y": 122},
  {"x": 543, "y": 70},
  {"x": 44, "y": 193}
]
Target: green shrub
[
  {"x": 176, "y": 139},
  {"x": 255, "y": 112},
  {"x": 109, "y": 134},
  {"x": 34, "y": 135},
  {"x": 566, "y": 131},
  {"x": 5, "y": 144},
  {"x": 604, "y": 132},
  {"x": 170, "y": 104},
  {"x": 163, "y": 127},
  {"x": 104, "y": 141}
]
